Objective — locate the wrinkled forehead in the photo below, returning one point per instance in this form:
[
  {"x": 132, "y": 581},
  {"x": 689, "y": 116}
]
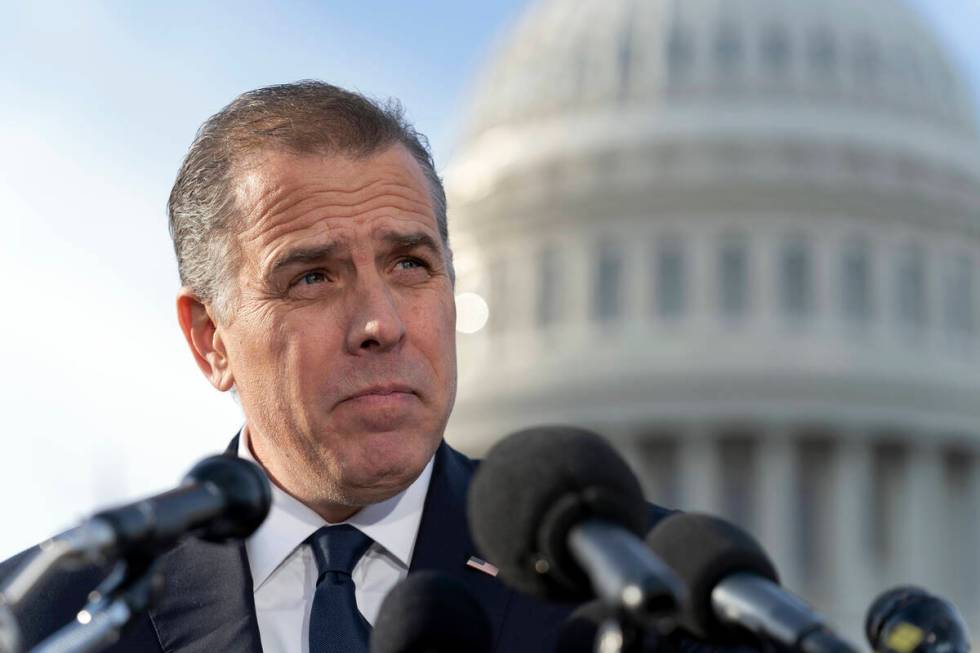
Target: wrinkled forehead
[
  {"x": 284, "y": 198},
  {"x": 268, "y": 176}
]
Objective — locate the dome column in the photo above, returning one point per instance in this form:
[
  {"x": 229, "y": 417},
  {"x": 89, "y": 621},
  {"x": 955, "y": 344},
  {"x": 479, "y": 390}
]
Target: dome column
[
  {"x": 700, "y": 470},
  {"x": 626, "y": 439},
  {"x": 778, "y": 501},
  {"x": 971, "y": 612},
  {"x": 920, "y": 535},
  {"x": 848, "y": 542}
]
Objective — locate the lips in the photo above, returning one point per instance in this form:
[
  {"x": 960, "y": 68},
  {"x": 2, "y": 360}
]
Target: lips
[{"x": 382, "y": 390}]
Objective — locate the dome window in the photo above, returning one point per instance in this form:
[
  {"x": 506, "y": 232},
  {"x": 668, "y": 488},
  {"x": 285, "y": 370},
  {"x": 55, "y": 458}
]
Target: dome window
[
  {"x": 728, "y": 49},
  {"x": 680, "y": 53},
  {"x": 776, "y": 50},
  {"x": 856, "y": 301},
  {"x": 867, "y": 61},
  {"x": 911, "y": 287},
  {"x": 733, "y": 278},
  {"x": 607, "y": 300},
  {"x": 625, "y": 61},
  {"x": 796, "y": 279},
  {"x": 670, "y": 278},
  {"x": 822, "y": 52},
  {"x": 548, "y": 299}
]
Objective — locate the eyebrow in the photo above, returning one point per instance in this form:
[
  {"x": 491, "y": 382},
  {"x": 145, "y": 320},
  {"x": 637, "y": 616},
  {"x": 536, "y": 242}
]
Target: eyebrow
[
  {"x": 304, "y": 255},
  {"x": 411, "y": 241}
]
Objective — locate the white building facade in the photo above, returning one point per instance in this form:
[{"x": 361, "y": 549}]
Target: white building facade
[{"x": 740, "y": 238}]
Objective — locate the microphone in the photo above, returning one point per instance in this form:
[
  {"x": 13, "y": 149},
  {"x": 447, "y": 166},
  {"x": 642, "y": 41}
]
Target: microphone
[
  {"x": 910, "y": 620},
  {"x": 430, "y": 612},
  {"x": 221, "y": 498},
  {"x": 733, "y": 587},
  {"x": 562, "y": 516}
]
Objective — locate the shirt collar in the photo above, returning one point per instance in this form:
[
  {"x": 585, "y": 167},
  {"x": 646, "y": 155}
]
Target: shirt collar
[{"x": 392, "y": 523}]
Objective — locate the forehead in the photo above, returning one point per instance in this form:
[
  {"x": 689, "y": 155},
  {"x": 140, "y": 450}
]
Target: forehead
[{"x": 280, "y": 193}]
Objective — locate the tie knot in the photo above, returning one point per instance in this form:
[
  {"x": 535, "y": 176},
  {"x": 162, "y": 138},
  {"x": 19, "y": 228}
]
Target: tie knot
[{"x": 338, "y": 548}]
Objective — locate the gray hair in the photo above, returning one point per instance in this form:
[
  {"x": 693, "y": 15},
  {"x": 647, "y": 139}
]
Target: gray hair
[{"x": 305, "y": 117}]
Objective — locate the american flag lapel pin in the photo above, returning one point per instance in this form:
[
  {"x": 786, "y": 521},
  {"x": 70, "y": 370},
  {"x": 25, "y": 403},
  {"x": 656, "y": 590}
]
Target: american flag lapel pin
[{"x": 481, "y": 565}]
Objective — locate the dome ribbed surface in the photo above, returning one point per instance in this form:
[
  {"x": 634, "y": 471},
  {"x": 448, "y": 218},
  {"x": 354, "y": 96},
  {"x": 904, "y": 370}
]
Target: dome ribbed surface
[{"x": 568, "y": 56}]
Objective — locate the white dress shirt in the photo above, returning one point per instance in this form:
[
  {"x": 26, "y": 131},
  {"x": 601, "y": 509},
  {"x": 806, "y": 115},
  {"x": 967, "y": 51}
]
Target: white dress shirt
[{"x": 284, "y": 571}]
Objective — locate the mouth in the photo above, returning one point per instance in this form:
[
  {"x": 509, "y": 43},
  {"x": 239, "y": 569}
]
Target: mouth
[{"x": 382, "y": 392}]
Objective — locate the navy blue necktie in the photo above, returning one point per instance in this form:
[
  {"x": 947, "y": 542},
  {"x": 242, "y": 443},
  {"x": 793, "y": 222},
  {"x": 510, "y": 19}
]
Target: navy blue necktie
[{"x": 336, "y": 625}]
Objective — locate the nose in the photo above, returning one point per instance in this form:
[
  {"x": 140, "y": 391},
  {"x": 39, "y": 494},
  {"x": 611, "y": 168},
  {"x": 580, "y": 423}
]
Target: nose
[{"x": 375, "y": 323}]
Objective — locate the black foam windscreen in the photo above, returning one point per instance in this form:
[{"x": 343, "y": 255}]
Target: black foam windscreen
[
  {"x": 907, "y": 619},
  {"x": 245, "y": 489},
  {"x": 703, "y": 550},
  {"x": 430, "y": 612},
  {"x": 529, "y": 492},
  {"x": 885, "y": 606}
]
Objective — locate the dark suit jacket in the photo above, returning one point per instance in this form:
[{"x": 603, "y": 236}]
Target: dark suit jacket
[{"x": 207, "y": 603}]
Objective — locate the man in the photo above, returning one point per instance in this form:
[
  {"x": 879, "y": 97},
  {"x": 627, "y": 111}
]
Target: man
[{"x": 310, "y": 231}]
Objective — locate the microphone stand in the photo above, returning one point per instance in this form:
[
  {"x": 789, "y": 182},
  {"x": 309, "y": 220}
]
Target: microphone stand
[
  {"x": 73, "y": 548},
  {"x": 618, "y": 635},
  {"x": 10, "y": 639},
  {"x": 610, "y": 637},
  {"x": 129, "y": 590}
]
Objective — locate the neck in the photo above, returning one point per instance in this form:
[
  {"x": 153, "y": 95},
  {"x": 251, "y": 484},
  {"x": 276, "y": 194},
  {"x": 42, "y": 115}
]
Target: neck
[{"x": 331, "y": 512}]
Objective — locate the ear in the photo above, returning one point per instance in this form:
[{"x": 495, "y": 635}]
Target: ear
[{"x": 205, "y": 339}]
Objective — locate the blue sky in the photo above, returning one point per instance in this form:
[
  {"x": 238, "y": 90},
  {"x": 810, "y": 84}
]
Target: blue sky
[
  {"x": 958, "y": 23},
  {"x": 98, "y": 102}
]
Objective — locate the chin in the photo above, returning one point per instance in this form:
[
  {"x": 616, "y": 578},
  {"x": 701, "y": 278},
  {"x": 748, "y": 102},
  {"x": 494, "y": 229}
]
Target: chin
[
  {"x": 385, "y": 470},
  {"x": 367, "y": 490}
]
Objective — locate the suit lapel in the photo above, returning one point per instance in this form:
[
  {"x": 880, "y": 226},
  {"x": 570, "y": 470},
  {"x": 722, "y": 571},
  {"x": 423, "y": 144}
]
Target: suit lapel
[
  {"x": 444, "y": 543},
  {"x": 207, "y": 603}
]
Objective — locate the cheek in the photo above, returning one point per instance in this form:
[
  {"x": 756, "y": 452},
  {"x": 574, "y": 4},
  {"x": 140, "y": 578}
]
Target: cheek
[
  {"x": 312, "y": 350},
  {"x": 286, "y": 353},
  {"x": 251, "y": 353},
  {"x": 437, "y": 326},
  {"x": 444, "y": 337}
]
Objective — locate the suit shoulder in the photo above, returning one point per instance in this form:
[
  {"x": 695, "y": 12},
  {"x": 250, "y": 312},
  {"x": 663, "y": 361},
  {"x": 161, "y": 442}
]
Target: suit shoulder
[{"x": 456, "y": 459}]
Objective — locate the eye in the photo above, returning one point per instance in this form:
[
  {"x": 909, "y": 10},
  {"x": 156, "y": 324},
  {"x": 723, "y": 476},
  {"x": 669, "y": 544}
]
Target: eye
[
  {"x": 311, "y": 284},
  {"x": 311, "y": 278},
  {"x": 410, "y": 264},
  {"x": 412, "y": 269}
]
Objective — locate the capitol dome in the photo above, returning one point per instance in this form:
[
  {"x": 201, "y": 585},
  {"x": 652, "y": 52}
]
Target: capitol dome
[
  {"x": 565, "y": 59},
  {"x": 741, "y": 238}
]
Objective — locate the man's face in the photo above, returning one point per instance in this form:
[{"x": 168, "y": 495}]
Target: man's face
[{"x": 341, "y": 342}]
